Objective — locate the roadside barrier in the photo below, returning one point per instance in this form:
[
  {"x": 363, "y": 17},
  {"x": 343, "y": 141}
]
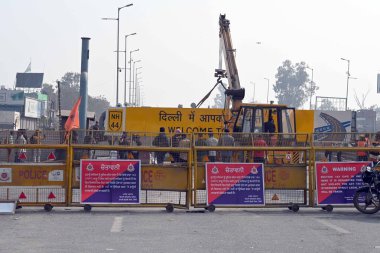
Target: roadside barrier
[
  {"x": 34, "y": 174},
  {"x": 176, "y": 170},
  {"x": 163, "y": 179}
]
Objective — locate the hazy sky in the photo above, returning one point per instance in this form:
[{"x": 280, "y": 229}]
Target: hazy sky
[{"x": 179, "y": 44}]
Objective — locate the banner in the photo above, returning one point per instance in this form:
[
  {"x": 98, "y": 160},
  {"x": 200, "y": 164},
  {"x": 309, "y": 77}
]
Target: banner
[
  {"x": 110, "y": 181},
  {"x": 232, "y": 184},
  {"x": 337, "y": 182}
]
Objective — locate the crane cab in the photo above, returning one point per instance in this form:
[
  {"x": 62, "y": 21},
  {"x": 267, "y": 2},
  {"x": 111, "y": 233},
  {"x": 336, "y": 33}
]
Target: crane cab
[{"x": 256, "y": 118}]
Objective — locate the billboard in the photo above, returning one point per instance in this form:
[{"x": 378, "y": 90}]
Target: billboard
[
  {"x": 234, "y": 184},
  {"x": 32, "y": 108},
  {"x": 29, "y": 80},
  {"x": 110, "y": 181},
  {"x": 337, "y": 182},
  {"x": 187, "y": 119}
]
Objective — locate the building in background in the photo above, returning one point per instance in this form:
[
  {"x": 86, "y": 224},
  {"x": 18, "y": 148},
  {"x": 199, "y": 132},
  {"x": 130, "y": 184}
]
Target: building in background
[{"x": 366, "y": 121}]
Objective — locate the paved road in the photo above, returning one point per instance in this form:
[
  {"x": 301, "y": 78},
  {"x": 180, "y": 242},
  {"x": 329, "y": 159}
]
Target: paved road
[{"x": 154, "y": 230}]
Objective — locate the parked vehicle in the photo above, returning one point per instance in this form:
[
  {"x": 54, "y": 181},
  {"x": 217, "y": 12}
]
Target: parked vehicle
[{"x": 366, "y": 199}]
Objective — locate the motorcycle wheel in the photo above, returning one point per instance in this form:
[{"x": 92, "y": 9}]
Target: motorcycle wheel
[{"x": 367, "y": 202}]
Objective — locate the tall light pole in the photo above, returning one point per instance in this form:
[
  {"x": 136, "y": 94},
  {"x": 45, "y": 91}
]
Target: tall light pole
[
  {"x": 139, "y": 92},
  {"x": 125, "y": 66},
  {"x": 267, "y": 90},
  {"x": 130, "y": 75},
  {"x": 348, "y": 78},
  {"x": 133, "y": 83},
  {"x": 254, "y": 91},
  {"x": 136, "y": 83},
  {"x": 311, "y": 84},
  {"x": 117, "y": 49}
]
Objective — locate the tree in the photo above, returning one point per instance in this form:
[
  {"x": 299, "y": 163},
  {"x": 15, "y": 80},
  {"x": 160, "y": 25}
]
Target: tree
[
  {"x": 327, "y": 105},
  {"x": 98, "y": 105},
  {"x": 361, "y": 102},
  {"x": 291, "y": 84},
  {"x": 219, "y": 98},
  {"x": 70, "y": 86}
]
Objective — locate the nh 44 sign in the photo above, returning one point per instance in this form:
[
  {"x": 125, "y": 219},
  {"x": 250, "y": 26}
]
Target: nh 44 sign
[{"x": 115, "y": 119}]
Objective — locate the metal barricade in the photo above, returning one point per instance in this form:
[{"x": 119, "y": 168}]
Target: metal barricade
[
  {"x": 338, "y": 161},
  {"x": 34, "y": 174},
  {"x": 165, "y": 170},
  {"x": 286, "y": 179}
]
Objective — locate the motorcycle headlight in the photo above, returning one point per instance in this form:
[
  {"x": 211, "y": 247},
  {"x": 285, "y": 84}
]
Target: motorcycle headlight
[{"x": 369, "y": 169}]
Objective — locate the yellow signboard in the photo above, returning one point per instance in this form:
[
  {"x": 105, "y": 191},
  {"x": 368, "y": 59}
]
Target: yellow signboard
[
  {"x": 115, "y": 120},
  {"x": 164, "y": 178},
  {"x": 187, "y": 119},
  {"x": 32, "y": 174},
  {"x": 285, "y": 177}
]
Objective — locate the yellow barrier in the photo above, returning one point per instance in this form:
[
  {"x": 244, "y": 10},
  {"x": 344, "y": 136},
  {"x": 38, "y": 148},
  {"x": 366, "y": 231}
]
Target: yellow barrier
[
  {"x": 34, "y": 176},
  {"x": 289, "y": 180}
]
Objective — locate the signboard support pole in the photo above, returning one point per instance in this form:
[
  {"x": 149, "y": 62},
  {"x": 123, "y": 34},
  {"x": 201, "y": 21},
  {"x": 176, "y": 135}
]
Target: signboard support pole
[
  {"x": 311, "y": 177},
  {"x": 69, "y": 175},
  {"x": 189, "y": 180}
]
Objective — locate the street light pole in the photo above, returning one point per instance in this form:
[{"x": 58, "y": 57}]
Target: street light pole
[
  {"x": 133, "y": 84},
  {"x": 348, "y": 78},
  {"x": 311, "y": 84},
  {"x": 136, "y": 83},
  {"x": 130, "y": 75},
  {"x": 254, "y": 91},
  {"x": 117, "y": 49},
  {"x": 125, "y": 66},
  {"x": 267, "y": 90}
]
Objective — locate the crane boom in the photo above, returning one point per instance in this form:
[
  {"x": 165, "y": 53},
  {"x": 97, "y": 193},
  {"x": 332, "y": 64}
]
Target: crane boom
[
  {"x": 234, "y": 92},
  {"x": 228, "y": 52}
]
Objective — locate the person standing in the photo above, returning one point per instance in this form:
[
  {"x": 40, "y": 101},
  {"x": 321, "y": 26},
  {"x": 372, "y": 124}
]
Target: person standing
[
  {"x": 362, "y": 155},
  {"x": 200, "y": 142},
  {"x": 124, "y": 141},
  {"x": 36, "y": 138},
  {"x": 161, "y": 140},
  {"x": 20, "y": 140},
  {"x": 90, "y": 140},
  {"x": 259, "y": 155},
  {"x": 184, "y": 143},
  {"x": 136, "y": 141},
  {"x": 10, "y": 140},
  {"x": 175, "y": 143},
  {"x": 226, "y": 141},
  {"x": 211, "y": 142}
]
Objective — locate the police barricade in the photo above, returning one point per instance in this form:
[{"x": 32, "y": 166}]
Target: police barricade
[
  {"x": 147, "y": 166},
  {"x": 338, "y": 161},
  {"x": 34, "y": 174},
  {"x": 250, "y": 170}
]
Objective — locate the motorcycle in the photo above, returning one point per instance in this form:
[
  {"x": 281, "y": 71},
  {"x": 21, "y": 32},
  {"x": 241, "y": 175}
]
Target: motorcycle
[{"x": 367, "y": 198}]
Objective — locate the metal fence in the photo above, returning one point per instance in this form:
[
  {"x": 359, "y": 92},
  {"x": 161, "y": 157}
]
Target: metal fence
[{"x": 172, "y": 164}]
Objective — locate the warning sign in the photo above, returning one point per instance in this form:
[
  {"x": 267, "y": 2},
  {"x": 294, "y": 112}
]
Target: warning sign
[
  {"x": 51, "y": 156},
  {"x": 51, "y": 196},
  {"x": 115, "y": 119},
  {"x": 22, "y": 195}
]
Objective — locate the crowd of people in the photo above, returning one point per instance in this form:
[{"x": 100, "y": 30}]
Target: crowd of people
[
  {"x": 20, "y": 137},
  {"x": 181, "y": 140}
]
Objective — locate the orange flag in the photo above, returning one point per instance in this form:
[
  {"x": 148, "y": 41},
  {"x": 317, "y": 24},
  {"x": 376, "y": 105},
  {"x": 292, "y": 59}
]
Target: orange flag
[{"x": 73, "y": 119}]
